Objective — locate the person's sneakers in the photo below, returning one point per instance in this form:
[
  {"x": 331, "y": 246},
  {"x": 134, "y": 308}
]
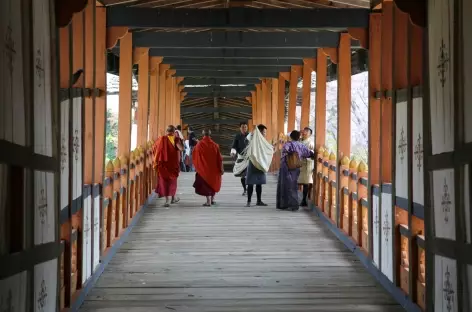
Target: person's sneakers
[
  {"x": 303, "y": 204},
  {"x": 261, "y": 204},
  {"x": 248, "y": 205},
  {"x": 244, "y": 193}
]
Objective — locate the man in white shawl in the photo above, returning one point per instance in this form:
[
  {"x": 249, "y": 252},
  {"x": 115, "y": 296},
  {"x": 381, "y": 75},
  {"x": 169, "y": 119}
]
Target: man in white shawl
[
  {"x": 258, "y": 155},
  {"x": 306, "y": 171}
]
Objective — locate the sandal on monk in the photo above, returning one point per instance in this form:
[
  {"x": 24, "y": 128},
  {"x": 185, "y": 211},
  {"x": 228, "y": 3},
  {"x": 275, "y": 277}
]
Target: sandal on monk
[
  {"x": 213, "y": 202},
  {"x": 166, "y": 205},
  {"x": 206, "y": 205},
  {"x": 175, "y": 201}
]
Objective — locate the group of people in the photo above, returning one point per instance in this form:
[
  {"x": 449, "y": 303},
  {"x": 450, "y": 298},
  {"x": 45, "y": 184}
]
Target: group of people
[
  {"x": 206, "y": 159},
  {"x": 300, "y": 146},
  {"x": 253, "y": 154}
]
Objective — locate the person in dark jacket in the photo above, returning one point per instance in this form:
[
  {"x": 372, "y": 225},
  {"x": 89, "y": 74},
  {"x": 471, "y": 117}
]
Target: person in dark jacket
[
  {"x": 192, "y": 142},
  {"x": 239, "y": 144}
]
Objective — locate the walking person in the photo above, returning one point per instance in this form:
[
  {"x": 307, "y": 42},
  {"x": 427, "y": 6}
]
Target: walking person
[
  {"x": 293, "y": 152},
  {"x": 306, "y": 171},
  {"x": 209, "y": 168},
  {"x": 166, "y": 162},
  {"x": 192, "y": 142},
  {"x": 259, "y": 154},
  {"x": 239, "y": 144}
]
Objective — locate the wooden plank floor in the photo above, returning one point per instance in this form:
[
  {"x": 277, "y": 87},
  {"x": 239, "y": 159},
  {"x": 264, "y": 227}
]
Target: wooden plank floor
[{"x": 230, "y": 258}]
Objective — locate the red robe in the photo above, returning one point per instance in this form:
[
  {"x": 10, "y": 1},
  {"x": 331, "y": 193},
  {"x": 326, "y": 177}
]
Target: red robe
[
  {"x": 166, "y": 162},
  {"x": 208, "y": 164}
]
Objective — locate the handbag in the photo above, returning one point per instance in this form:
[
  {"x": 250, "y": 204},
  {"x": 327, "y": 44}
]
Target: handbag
[{"x": 293, "y": 161}]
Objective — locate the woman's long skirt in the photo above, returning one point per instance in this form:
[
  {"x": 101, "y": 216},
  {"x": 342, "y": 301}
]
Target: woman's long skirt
[{"x": 287, "y": 188}]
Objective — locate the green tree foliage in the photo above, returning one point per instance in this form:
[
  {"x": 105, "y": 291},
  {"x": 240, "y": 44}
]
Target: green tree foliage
[{"x": 111, "y": 136}]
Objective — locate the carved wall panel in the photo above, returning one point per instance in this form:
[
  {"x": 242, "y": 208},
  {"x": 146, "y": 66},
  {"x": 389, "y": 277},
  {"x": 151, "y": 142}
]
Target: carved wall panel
[
  {"x": 64, "y": 154},
  {"x": 386, "y": 236},
  {"x": 444, "y": 204},
  {"x": 441, "y": 52},
  {"x": 76, "y": 142},
  {"x": 87, "y": 239},
  {"x": 42, "y": 78},
  {"x": 401, "y": 158},
  {"x": 467, "y": 204},
  {"x": 96, "y": 233},
  {"x": 467, "y": 69},
  {"x": 44, "y": 211},
  {"x": 376, "y": 228},
  {"x": 417, "y": 152},
  {"x": 12, "y": 104},
  {"x": 445, "y": 286},
  {"x": 13, "y": 293},
  {"x": 45, "y": 286}
]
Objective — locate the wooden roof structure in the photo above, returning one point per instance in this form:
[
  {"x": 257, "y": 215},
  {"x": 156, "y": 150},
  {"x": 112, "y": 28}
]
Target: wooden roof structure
[{"x": 217, "y": 43}]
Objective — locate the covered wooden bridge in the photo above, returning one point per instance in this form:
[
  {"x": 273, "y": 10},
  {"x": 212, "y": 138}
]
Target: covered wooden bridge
[{"x": 401, "y": 221}]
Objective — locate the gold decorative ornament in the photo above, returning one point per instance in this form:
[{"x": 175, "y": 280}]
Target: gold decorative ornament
[
  {"x": 345, "y": 161},
  {"x": 116, "y": 163},
  {"x": 332, "y": 156},
  {"x": 110, "y": 166},
  {"x": 362, "y": 167},
  {"x": 353, "y": 164}
]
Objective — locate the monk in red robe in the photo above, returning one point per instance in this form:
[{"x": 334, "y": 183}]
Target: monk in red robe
[
  {"x": 209, "y": 167},
  {"x": 166, "y": 162}
]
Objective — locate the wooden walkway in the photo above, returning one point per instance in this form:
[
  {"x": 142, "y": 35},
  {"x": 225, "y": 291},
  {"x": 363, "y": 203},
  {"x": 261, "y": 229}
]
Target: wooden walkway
[{"x": 229, "y": 258}]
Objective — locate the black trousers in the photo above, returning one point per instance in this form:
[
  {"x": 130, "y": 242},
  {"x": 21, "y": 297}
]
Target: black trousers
[
  {"x": 305, "y": 192},
  {"x": 250, "y": 190},
  {"x": 243, "y": 182}
]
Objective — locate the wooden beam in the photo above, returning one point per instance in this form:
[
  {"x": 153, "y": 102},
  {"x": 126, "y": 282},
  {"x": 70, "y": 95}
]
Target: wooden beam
[
  {"x": 223, "y": 62},
  {"x": 218, "y": 81},
  {"x": 226, "y": 74},
  {"x": 237, "y": 18},
  {"x": 273, "y": 53},
  {"x": 237, "y": 39},
  {"x": 259, "y": 103},
  {"x": 320, "y": 107}
]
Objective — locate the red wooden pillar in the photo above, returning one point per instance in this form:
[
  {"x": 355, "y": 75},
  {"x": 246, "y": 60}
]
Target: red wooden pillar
[{"x": 320, "y": 114}]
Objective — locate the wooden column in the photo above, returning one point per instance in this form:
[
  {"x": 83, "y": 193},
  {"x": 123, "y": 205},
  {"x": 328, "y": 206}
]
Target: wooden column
[
  {"x": 375, "y": 51},
  {"x": 344, "y": 96},
  {"x": 101, "y": 99},
  {"x": 386, "y": 86},
  {"x": 264, "y": 98},
  {"x": 274, "y": 108},
  {"x": 168, "y": 98},
  {"x": 344, "y": 119},
  {"x": 89, "y": 72},
  {"x": 268, "y": 112},
  {"x": 308, "y": 67},
  {"x": 161, "y": 111},
  {"x": 254, "y": 109},
  {"x": 281, "y": 104},
  {"x": 143, "y": 99},
  {"x": 259, "y": 104},
  {"x": 125, "y": 85},
  {"x": 295, "y": 72},
  {"x": 154, "y": 98},
  {"x": 320, "y": 109}
]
